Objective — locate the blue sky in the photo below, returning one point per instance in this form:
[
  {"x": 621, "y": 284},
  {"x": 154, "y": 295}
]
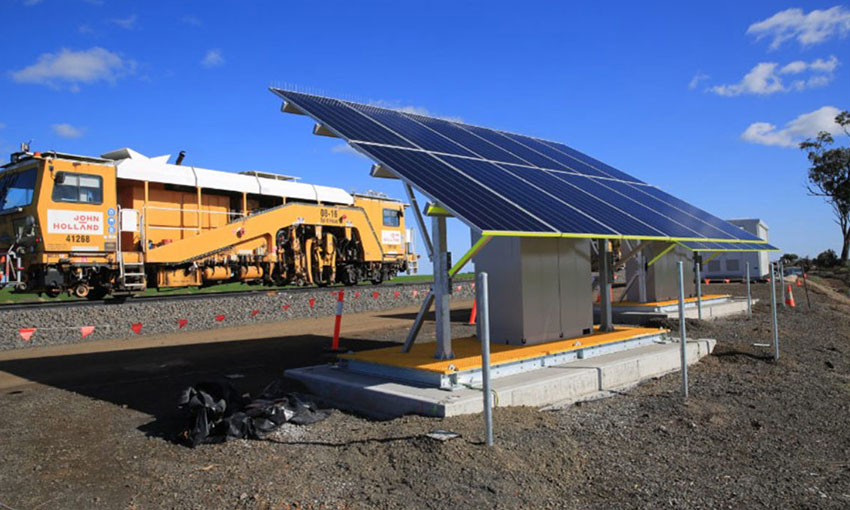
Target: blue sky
[{"x": 702, "y": 99}]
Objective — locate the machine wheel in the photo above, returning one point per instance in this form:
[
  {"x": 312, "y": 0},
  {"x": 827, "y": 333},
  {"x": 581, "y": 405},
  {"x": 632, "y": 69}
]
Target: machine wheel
[
  {"x": 82, "y": 290},
  {"x": 53, "y": 292}
]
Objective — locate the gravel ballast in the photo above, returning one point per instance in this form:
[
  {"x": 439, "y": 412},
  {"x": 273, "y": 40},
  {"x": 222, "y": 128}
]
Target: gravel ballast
[{"x": 61, "y": 324}]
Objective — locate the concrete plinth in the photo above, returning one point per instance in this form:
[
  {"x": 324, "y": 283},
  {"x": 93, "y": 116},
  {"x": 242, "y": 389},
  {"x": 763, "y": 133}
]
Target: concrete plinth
[
  {"x": 712, "y": 308},
  {"x": 559, "y": 384}
]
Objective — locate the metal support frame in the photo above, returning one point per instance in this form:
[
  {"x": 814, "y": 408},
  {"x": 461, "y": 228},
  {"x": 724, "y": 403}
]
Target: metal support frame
[
  {"x": 665, "y": 251},
  {"x": 773, "y": 312},
  {"x": 442, "y": 296},
  {"x": 781, "y": 277},
  {"x": 632, "y": 254},
  {"x": 697, "y": 266},
  {"x": 606, "y": 322},
  {"x": 417, "y": 323},
  {"x": 484, "y": 338},
  {"x": 749, "y": 296},
  {"x": 420, "y": 222},
  {"x": 481, "y": 243},
  {"x": 683, "y": 337},
  {"x": 706, "y": 261}
]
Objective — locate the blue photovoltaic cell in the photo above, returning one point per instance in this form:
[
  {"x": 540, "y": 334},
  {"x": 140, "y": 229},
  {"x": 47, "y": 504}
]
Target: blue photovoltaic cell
[
  {"x": 703, "y": 246},
  {"x": 532, "y": 199},
  {"x": 598, "y": 189},
  {"x": 595, "y": 163},
  {"x": 348, "y": 122},
  {"x": 683, "y": 207},
  {"x": 591, "y": 205},
  {"x": 697, "y": 225},
  {"x": 414, "y": 131},
  {"x": 527, "y": 155},
  {"x": 472, "y": 202},
  {"x": 572, "y": 164},
  {"x": 481, "y": 147}
]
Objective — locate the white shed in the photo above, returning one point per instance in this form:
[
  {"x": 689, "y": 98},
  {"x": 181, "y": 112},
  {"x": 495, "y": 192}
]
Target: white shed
[{"x": 732, "y": 265}]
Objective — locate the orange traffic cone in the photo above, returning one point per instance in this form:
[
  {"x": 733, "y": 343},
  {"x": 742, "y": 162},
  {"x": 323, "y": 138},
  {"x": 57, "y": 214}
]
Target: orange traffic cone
[
  {"x": 799, "y": 282},
  {"x": 474, "y": 313},
  {"x": 707, "y": 281},
  {"x": 789, "y": 298},
  {"x": 726, "y": 280}
]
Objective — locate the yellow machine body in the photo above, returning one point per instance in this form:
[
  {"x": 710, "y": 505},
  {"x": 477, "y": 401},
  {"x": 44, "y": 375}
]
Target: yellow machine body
[{"x": 72, "y": 223}]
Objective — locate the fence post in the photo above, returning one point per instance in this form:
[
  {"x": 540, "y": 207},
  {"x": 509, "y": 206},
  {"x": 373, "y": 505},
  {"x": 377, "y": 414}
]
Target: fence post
[
  {"x": 682, "y": 333},
  {"x": 484, "y": 338}
]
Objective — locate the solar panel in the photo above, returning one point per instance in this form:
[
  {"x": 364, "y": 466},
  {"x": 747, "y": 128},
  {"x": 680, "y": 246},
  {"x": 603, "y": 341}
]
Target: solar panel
[
  {"x": 710, "y": 247},
  {"x": 509, "y": 184}
]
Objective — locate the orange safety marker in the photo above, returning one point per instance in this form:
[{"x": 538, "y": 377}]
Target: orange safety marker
[
  {"x": 375, "y": 294},
  {"x": 254, "y": 313},
  {"x": 312, "y": 302},
  {"x": 86, "y": 331},
  {"x": 707, "y": 281},
  {"x": 799, "y": 282},
  {"x": 26, "y": 333},
  {"x": 356, "y": 294},
  {"x": 338, "y": 320},
  {"x": 395, "y": 295},
  {"x": 219, "y": 318},
  {"x": 726, "y": 280},
  {"x": 474, "y": 312},
  {"x": 415, "y": 293},
  {"x": 285, "y": 307},
  {"x": 181, "y": 323},
  {"x": 789, "y": 298},
  {"x": 137, "y": 327}
]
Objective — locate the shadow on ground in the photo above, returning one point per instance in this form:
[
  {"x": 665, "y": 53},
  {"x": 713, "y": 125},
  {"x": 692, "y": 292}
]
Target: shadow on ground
[{"x": 149, "y": 380}]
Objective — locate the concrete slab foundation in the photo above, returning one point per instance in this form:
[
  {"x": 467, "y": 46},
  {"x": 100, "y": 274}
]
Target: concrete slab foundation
[
  {"x": 712, "y": 308},
  {"x": 575, "y": 380}
]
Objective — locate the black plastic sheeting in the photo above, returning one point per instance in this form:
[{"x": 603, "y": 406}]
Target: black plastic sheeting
[{"x": 216, "y": 411}]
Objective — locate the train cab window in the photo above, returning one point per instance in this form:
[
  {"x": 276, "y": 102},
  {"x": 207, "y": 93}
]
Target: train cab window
[
  {"x": 392, "y": 217},
  {"x": 16, "y": 190},
  {"x": 78, "y": 188}
]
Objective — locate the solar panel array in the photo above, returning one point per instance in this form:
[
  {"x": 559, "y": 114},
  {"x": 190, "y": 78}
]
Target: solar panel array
[
  {"x": 505, "y": 183},
  {"x": 702, "y": 246}
]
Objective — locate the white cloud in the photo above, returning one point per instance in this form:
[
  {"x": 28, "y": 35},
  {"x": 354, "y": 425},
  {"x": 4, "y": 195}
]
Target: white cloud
[
  {"x": 344, "y": 148},
  {"x": 213, "y": 58},
  {"x": 75, "y": 67},
  {"x": 766, "y": 78},
  {"x": 807, "y": 125},
  {"x": 695, "y": 81},
  {"x": 85, "y": 29},
  {"x": 67, "y": 130},
  {"x": 812, "y": 28},
  {"x": 128, "y": 23}
]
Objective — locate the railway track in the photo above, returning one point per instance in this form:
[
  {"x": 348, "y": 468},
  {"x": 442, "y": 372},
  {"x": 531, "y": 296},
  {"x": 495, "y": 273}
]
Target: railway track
[{"x": 43, "y": 305}]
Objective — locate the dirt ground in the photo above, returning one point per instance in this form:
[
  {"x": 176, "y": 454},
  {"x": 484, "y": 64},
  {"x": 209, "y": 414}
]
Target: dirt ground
[{"x": 95, "y": 429}]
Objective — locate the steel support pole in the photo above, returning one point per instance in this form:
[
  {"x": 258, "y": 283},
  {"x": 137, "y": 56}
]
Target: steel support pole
[
  {"x": 749, "y": 295},
  {"x": 773, "y": 312},
  {"x": 417, "y": 324},
  {"x": 641, "y": 260},
  {"x": 682, "y": 333},
  {"x": 697, "y": 264},
  {"x": 605, "y": 313},
  {"x": 429, "y": 249},
  {"x": 442, "y": 309},
  {"x": 484, "y": 338},
  {"x": 781, "y": 278}
]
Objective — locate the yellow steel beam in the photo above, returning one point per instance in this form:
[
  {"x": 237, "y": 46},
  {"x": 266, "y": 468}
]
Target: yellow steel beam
[
  {"x": 481, "y": 243},
  {"x": 436, "y": 210},
  {"x": 711, "y": 257},
  {"x": 663, "y": 252}
]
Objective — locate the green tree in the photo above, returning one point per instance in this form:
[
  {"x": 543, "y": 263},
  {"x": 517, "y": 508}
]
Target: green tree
[
  {"x": 789, "y": 259},
  {"x": 829, "y": 176}
]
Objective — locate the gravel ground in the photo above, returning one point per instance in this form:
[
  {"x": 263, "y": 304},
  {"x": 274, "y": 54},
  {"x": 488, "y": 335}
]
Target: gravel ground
[
  {"x": 754, "y": 434},
  {"x": 60, "y": 325}
]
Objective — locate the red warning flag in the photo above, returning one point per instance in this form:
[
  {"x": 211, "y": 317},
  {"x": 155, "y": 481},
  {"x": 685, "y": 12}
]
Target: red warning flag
[
  {"x": 312, "y": 302},
  {"x": 219, "y": 318},
  {"x": 357, "y": 294},
  {"x": 254, "y": 313},
  {"x": 26, "y": 333},
  {"x": 86, "y": 330},
  {"x": 181, "y": 323},
  {"x": 285, "y": 307},
  {"x": 395, "y": 295},
  {"x": 375, "y": 294},
  {"x": 137, "y": 327}
]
